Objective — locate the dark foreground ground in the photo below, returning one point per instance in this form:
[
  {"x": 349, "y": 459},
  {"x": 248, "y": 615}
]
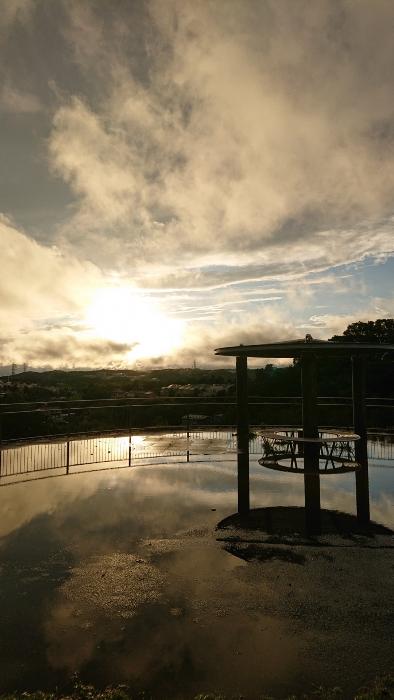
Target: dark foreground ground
[
  {"x": 124, "y": 578},
  {"x": 381, "y": 688}
]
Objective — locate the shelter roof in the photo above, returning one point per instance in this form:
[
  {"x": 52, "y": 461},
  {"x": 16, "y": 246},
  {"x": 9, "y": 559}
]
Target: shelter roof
[{"x": 309, "y": 345}]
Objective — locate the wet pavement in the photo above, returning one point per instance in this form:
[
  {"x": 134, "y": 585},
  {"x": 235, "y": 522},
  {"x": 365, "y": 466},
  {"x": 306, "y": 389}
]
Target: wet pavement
[{"x": 122, "y": 577}]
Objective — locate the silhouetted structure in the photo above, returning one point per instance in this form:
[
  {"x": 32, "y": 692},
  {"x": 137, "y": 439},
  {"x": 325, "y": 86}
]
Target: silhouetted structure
[{"x": 308, "y": 442}]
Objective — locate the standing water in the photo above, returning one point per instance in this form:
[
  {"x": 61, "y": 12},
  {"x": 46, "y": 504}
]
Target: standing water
[{"x": 114, "y": 571}]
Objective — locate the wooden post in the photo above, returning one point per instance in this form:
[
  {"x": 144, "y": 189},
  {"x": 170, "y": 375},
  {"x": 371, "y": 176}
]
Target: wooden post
[
  {"x": 311, "y": 450},
  {"x": 242, "y": 434},
  {"x": 361, "y": 447}
]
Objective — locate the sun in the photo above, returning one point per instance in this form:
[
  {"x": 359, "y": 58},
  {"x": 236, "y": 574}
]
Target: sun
[{"x": 126, "y": 315}]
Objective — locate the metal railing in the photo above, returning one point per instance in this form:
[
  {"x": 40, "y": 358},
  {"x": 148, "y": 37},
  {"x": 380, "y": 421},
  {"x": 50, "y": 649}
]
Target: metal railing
[
  {"x": 61, "y": 435},
  {"x": 31, "y": 458},
  {"x": 63, "y": 417},
  {"x": 35, "y": 460}
]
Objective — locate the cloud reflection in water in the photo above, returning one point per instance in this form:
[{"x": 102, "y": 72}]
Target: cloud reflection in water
[{"x": 118, "y": 575}]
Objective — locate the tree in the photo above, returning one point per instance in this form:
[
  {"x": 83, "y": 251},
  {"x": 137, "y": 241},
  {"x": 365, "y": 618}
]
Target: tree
[
  {"x": 380, "y": 331},
  {"x": 380, "y": 376}
]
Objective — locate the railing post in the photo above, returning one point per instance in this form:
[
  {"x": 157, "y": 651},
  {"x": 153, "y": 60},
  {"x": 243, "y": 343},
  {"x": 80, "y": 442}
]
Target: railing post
[
  {"x": 68, "y": 457},
  {"x": 311, "y": 449},
  {"x": 361, "y": 446},
  {"x": 242, "y": 434}
]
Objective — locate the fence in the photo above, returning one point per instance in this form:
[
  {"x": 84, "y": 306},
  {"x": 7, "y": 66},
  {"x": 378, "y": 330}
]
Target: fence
[
  {"x": 78, "y": 418},
  {"x": 34, "y": 460},
  {"x": 60, "y": 435}
]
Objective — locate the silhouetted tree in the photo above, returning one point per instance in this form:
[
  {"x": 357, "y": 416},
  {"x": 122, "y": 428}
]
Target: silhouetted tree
[
  {"x": 380, "y": 331},
  {"x": 380, "y": 376}
]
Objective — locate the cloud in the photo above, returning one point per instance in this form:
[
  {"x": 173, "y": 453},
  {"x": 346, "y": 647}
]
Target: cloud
[
  {"x": 260, "y": 325},
  {"x": 15, "y": 11},
  {"x": 94, "y": 163},
  {"x": 39, "y": 284},
  {"x": 13, "y": 100},
  {"x": 64, "y": 347},
  {"x": 261, "y": 135},
  {"x": 330, "y": 324},
  {"x": 220, "y": 156}
]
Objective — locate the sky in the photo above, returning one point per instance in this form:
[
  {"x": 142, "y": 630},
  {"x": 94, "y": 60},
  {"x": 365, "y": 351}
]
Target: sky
[{"x": 179, "y": 175}]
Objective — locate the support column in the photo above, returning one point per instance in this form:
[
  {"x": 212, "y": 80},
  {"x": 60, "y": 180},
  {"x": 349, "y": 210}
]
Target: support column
[
  {"x": 311, "y": 450},
  {"x": 361, "y": 448},
  {"x": 242, "y": 434}
]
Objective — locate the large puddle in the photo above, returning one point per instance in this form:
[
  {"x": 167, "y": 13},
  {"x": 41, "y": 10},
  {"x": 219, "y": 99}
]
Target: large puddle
[{"x": 117, "y": 575}]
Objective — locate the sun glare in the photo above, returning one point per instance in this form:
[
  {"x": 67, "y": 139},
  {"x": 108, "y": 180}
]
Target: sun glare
[{"x": 125, "y": 315}]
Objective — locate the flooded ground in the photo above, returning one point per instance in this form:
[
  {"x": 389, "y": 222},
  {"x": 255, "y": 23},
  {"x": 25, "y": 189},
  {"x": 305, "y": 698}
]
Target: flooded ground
[{"x": 118, "y": 575}]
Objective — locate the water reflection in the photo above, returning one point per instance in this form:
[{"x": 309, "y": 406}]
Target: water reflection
[
  {"x": 118, "y": 575},
  {"x": 33, "y": 459},
  {"x": 211, "y": 483}
]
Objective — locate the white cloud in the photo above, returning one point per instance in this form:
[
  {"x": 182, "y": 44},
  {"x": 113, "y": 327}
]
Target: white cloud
[
  {"x": 265, "y": 324},
  {"x": 218, "y": 149},
  {"x": 37, "y": 284},
  {"x": 96, "y": 164},
  {"x": 44, "y": 296},
  {"x": 330, "y": 324},
  {"x": 261, "y": 136},
  {"x": 38, "y": 280}
]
